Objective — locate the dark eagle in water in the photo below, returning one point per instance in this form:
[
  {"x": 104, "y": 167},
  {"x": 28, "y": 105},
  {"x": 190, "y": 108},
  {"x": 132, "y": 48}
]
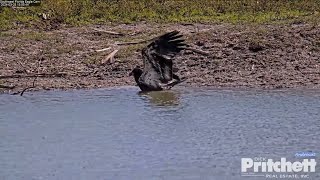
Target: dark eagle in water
[{"x": 157, "y": 73}]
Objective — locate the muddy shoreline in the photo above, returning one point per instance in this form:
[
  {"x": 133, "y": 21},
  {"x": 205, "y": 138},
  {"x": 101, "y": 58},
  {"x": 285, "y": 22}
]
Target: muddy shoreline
[{"x": 246, "y": 56}]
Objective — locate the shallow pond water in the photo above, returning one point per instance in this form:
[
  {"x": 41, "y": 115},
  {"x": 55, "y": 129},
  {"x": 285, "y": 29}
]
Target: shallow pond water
[{"x": 118, "y": 133}]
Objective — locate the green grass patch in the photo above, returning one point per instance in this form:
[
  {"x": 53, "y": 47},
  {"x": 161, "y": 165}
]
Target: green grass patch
[
  {"x": 79, "y": 12},
  {"x": 4, "y": 34},
  {"x": 33, "y": 35}
]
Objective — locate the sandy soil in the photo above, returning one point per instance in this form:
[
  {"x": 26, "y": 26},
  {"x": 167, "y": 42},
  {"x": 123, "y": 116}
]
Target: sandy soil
[{"x": 255, "y": 56}]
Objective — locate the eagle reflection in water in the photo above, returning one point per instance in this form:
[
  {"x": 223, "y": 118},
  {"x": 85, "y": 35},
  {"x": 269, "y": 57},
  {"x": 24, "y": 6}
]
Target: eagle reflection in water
[{"x": 162, "y": 98}]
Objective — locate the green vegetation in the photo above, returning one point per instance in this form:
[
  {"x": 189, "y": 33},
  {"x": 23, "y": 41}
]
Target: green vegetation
[
  {"x": 35, "y": 36},
  {"x": 79, "y": 12}
]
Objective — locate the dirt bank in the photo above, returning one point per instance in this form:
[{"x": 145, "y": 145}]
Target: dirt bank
[{"x": 260, "y": 56}]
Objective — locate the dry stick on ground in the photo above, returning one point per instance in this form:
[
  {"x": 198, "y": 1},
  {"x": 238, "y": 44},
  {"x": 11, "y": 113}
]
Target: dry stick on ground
[
  {"x": 7, "y": 87},
  {"x": 110, "y": 57},
  {"x": 44, "y": 75},
  {"x": 58, "y": 74},
  {"x": 198, "y": 51},
  {"x": 104, "y": 49},
  {"x": 108, "y": 32},
  {"x": 134, "y": 42}
]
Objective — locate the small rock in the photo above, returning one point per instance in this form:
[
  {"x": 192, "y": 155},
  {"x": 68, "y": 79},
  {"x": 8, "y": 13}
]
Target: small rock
[
  {"x": 237, "y": 48},
  {"x": 255, "y": 47},
  {"x": 199, "y": 43},
  {"x": 230, "y": 45},
  {"x": 20, "y": 71}
]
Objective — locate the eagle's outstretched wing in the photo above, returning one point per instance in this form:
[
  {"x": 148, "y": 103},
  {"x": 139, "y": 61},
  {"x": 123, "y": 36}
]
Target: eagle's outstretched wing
[{"x": 157, "y": 56}]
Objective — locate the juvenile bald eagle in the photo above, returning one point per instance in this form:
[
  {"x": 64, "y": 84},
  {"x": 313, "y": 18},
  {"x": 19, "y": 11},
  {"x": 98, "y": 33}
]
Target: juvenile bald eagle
[{"x": 157, "y": 73}]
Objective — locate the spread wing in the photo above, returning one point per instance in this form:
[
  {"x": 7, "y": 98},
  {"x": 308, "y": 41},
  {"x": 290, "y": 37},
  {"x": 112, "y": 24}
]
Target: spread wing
[{"x": 158, "y": 55}]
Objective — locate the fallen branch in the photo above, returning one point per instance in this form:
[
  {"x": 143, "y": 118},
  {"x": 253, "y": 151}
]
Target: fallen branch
[
  {"x": 6, "y": 87},
  {"x": 101, "y": 50},
  {"x": 47, "y": 75},
  {"x": 110, "y": 57},
  {"x": 198, "y": 51},
  {"x": 25, "y": 89},
  {"x": 306, "y": 72},
  {"x": 108, "y": 32},
  {"x": 59, "y": 74},
  {"x": 134, "y": 42}
]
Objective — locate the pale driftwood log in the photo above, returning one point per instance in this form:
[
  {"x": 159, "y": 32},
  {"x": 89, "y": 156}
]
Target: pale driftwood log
[
  {"x": 109, "y": 32},
  {"x": 110, "y": 57},
  {"x": 102, "y": 50}
]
